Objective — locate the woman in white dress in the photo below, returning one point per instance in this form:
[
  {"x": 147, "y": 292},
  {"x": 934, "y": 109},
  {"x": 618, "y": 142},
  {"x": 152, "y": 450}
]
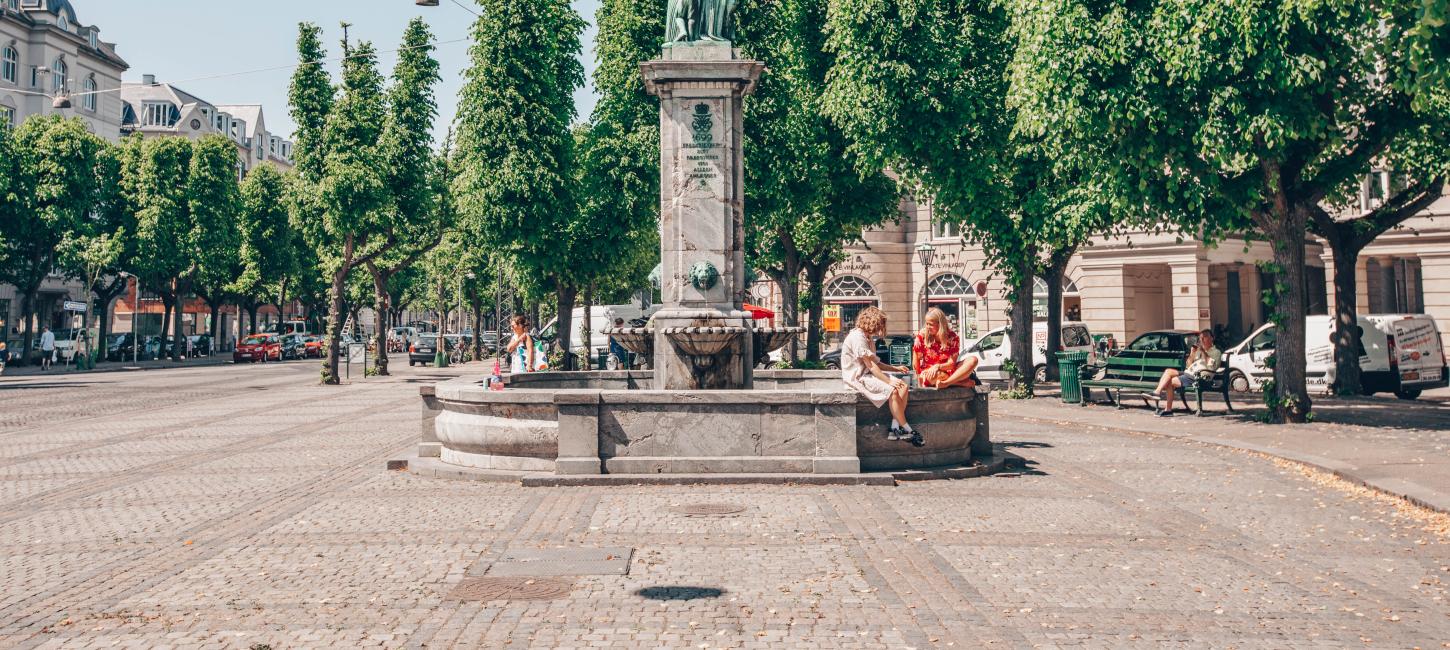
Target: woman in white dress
[{"x": 865, "y": 373}]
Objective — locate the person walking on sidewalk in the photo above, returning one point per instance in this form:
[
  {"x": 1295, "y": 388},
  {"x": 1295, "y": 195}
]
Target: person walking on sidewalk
[{"x": 47, "y": 348}]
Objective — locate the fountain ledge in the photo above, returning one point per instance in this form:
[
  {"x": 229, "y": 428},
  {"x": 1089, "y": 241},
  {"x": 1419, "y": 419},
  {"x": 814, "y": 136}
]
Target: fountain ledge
[{"x": 557, "y": 428}]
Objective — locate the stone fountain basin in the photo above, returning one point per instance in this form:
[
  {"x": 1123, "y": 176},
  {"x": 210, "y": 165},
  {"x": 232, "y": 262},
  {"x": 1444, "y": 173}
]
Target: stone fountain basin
[
  {"x": 793, "y": 422},
  {"x": 703, "y": 341},
  {"x": 770, "y": 339},
  {"x": 639, "y": 340}
]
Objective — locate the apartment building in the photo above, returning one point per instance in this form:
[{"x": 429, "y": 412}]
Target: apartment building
[{"x": 155, "y": 109}]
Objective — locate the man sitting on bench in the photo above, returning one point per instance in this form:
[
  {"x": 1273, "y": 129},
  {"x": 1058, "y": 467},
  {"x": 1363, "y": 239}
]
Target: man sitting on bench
[{"x": 1203, "y": 359}]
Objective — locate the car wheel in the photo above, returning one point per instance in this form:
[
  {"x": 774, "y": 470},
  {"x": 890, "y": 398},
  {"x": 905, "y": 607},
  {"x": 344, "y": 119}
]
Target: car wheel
[
  {"x": 830, "y": 365},
  {"x": 1238, "y": 382},
  {"x": 1039, "y": 374},
  {"x": 1408, "y": 393}
]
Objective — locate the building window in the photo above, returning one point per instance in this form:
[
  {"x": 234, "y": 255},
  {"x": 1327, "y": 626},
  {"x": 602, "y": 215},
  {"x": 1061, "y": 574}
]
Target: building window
[
  {"x": 10, "y": 65},
  {"x": 7, "y": 117},
  {"x": 95, "y": 39},
  {"x": 160, "y": 114},
  {"x": 1395, "y": 285},
  {"x": 34, "y": 77},
  {"x": 58, "y": 73},
  {"x": 949, "y": 284},
  {"x": 62, "y": 22},
  {"x": 88, "y": 100},
  {"x": 849, "y": 286},
  {"x": 945, "y": 230}
]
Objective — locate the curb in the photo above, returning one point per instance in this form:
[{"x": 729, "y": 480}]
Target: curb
[
  {"x": 434, "y": 468},
  {"x": 1401, "y": 489},
  {"x": 109, "y": 368}
]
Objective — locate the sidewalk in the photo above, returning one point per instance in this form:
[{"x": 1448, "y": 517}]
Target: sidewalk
[
  {"x": 1395, "y": 446},
  {"x": 34, "y": 370}
]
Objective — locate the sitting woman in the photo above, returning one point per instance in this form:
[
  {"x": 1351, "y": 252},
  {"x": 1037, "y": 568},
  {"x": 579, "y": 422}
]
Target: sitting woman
[
  {"x": 865, "y": 373},
  {"x": 1203, "y": 360},
  {"x": 935, "y": 355}
]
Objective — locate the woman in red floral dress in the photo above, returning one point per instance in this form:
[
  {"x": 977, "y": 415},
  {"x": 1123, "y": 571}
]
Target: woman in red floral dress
[{"x": 935, "y": 352}]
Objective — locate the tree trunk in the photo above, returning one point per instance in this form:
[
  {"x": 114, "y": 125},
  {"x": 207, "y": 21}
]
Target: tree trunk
[
  {"x": 564, "y": 327},
  {"x": 176, "y": 346},
  {"x": 27, "y": 307},
  {"x": 216, "y": 325},
  {"x": 789, "y": 306},
  {"x": 477, "y": 328},
  {"x": 252, "y": 320},
  {"x": 1021, "y": 334},
  {"x": 336, "y": 312},
  {"x": 1346, "y": 334},
  {"x": 1053, "y": 277},
  {"x": 168, "y": 308},
  {"x": 1290, "y": 399},
  {"x": 380, "y": 317},
  {"x": 282, "y": 301},
  {"x": 815, "y": 287},
  {"x": 588, "y": 329}
]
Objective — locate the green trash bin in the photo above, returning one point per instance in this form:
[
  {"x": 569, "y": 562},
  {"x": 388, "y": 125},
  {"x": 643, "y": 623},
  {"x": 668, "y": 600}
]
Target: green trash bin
[{"x": 1069, "y": 370}]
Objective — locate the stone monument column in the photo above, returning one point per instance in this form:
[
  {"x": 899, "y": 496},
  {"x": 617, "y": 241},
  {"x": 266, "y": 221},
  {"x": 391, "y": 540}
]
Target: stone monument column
[{"x": 702, "y": 336}]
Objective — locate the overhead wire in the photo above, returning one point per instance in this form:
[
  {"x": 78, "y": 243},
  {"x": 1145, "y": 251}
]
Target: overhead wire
[{"x": 291, "y": 66}]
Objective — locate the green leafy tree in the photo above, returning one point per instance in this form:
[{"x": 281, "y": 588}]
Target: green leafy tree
[
  {"x": 807, "y": 197},
  {"x": 95, "y": 250},
  {"x": 163, "y": 223},
  {"x": 269, "y": 246},
  {"x": 1237, "y": 116},
  {"x": 341, "y": 198},
  {"x": 515, "y": 181},
  {"x": 413, "y": 174},
  {"x": 215, "y": 238},
  {"x": 54, "y": 185}
]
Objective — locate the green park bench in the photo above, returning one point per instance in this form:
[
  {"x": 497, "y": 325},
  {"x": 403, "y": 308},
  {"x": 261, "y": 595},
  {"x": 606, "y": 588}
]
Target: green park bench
[{"x": 1138, "y": 372}]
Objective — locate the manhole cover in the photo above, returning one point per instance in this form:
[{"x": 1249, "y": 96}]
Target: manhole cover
[
  {"x": 508, "y": 588},
  {"x": 708, "y": 509}
]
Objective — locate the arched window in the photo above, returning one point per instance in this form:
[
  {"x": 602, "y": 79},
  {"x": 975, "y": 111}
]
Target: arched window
[
  {"x": 10, "y": 65},
  {"x": 849, "y": 286},
  {"x": 88, "y": 100},
  {"x": 949, "y": 284},
  {"x": 58, "y": 73}
]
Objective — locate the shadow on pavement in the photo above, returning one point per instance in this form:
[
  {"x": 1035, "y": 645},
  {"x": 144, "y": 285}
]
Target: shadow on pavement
[{"x": 679, "y": 592}]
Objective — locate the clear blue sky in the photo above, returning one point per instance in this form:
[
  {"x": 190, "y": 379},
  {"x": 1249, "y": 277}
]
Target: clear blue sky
[{"x": 177, "y": 40}]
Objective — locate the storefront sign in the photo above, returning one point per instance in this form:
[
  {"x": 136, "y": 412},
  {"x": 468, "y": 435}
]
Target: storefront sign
[
  {"x": 72, "y": 305},
  {"x": 831, "y": 318}
]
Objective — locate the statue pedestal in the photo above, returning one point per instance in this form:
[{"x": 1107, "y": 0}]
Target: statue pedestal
[{"x": 702, "y": 218}]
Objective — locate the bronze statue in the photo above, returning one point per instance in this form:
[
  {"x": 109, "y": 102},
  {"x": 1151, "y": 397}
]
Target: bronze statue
[{"x": 700, "y": 20}]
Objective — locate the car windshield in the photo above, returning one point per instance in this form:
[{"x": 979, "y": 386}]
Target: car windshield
[
  {"x": 1151, "y": 342},
  {"x": 254, "y": 340}
]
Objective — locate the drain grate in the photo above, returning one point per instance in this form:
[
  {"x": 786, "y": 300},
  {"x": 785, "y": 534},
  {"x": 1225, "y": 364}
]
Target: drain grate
[
  {"x": 509, "y": 588},
  {"x": 708, "y": 509}
]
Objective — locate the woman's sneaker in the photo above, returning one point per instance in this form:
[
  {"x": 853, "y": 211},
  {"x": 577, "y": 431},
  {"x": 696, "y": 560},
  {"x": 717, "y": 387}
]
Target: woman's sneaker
[
  {"x": 897, "y": 434},
  {"x": 917, "y": 440}
]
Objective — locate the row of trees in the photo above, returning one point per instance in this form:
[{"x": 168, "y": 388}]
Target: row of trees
[{"x": 169, "y": 213}]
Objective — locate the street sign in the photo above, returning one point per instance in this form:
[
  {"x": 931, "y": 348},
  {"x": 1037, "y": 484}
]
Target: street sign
[
  {"x": 981, "y": 288},
  {"x": 831, "y": 318},
  {"x": 74, "y": 305}
]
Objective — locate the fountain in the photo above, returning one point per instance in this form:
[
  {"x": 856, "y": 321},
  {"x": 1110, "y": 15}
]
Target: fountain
[{"x": 703, "y": 411}]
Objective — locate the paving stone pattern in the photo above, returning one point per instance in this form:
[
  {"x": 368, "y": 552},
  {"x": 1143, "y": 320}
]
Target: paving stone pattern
[{"x": 256, "y": 512}]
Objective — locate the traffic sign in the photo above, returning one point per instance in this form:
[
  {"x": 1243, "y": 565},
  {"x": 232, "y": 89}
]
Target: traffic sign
[{"x": 74, "y": 305}]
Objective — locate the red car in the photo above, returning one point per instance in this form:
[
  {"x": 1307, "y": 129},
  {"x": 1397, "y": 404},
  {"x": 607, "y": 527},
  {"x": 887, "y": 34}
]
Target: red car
[
  {"x": 314, "y": 346},
  {"x": 258, "y": 347}
]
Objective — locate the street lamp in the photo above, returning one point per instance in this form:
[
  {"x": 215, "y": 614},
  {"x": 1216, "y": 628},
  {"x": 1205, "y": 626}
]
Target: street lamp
[{"x": 926, "y": 253}]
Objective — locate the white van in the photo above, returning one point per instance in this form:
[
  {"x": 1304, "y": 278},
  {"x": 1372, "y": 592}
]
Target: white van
[
  {"x": 1400, "y": 354},
  {"x": 601, "y": 318},
  {"x": 995, "y": 347}
]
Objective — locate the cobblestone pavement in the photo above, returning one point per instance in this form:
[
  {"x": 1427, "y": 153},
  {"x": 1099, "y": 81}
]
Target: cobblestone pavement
[{"x": 247, "y": 507}]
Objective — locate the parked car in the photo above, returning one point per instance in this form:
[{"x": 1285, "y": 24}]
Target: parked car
[
  {"x": 1400, "y": 354},
  {"x": 314, "y": 346},
  {"x": 294, "y": 346},
  {"x": 995, "y": 347},
  {"x": 832, "y": 358},
  {"x": 201, "y": 345},
  {"x": 120, "y": 347},
  {"x": 258, "y": 347},
  {"x": 602, "y": 317},
  {"x": 423, "y": 348}
]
